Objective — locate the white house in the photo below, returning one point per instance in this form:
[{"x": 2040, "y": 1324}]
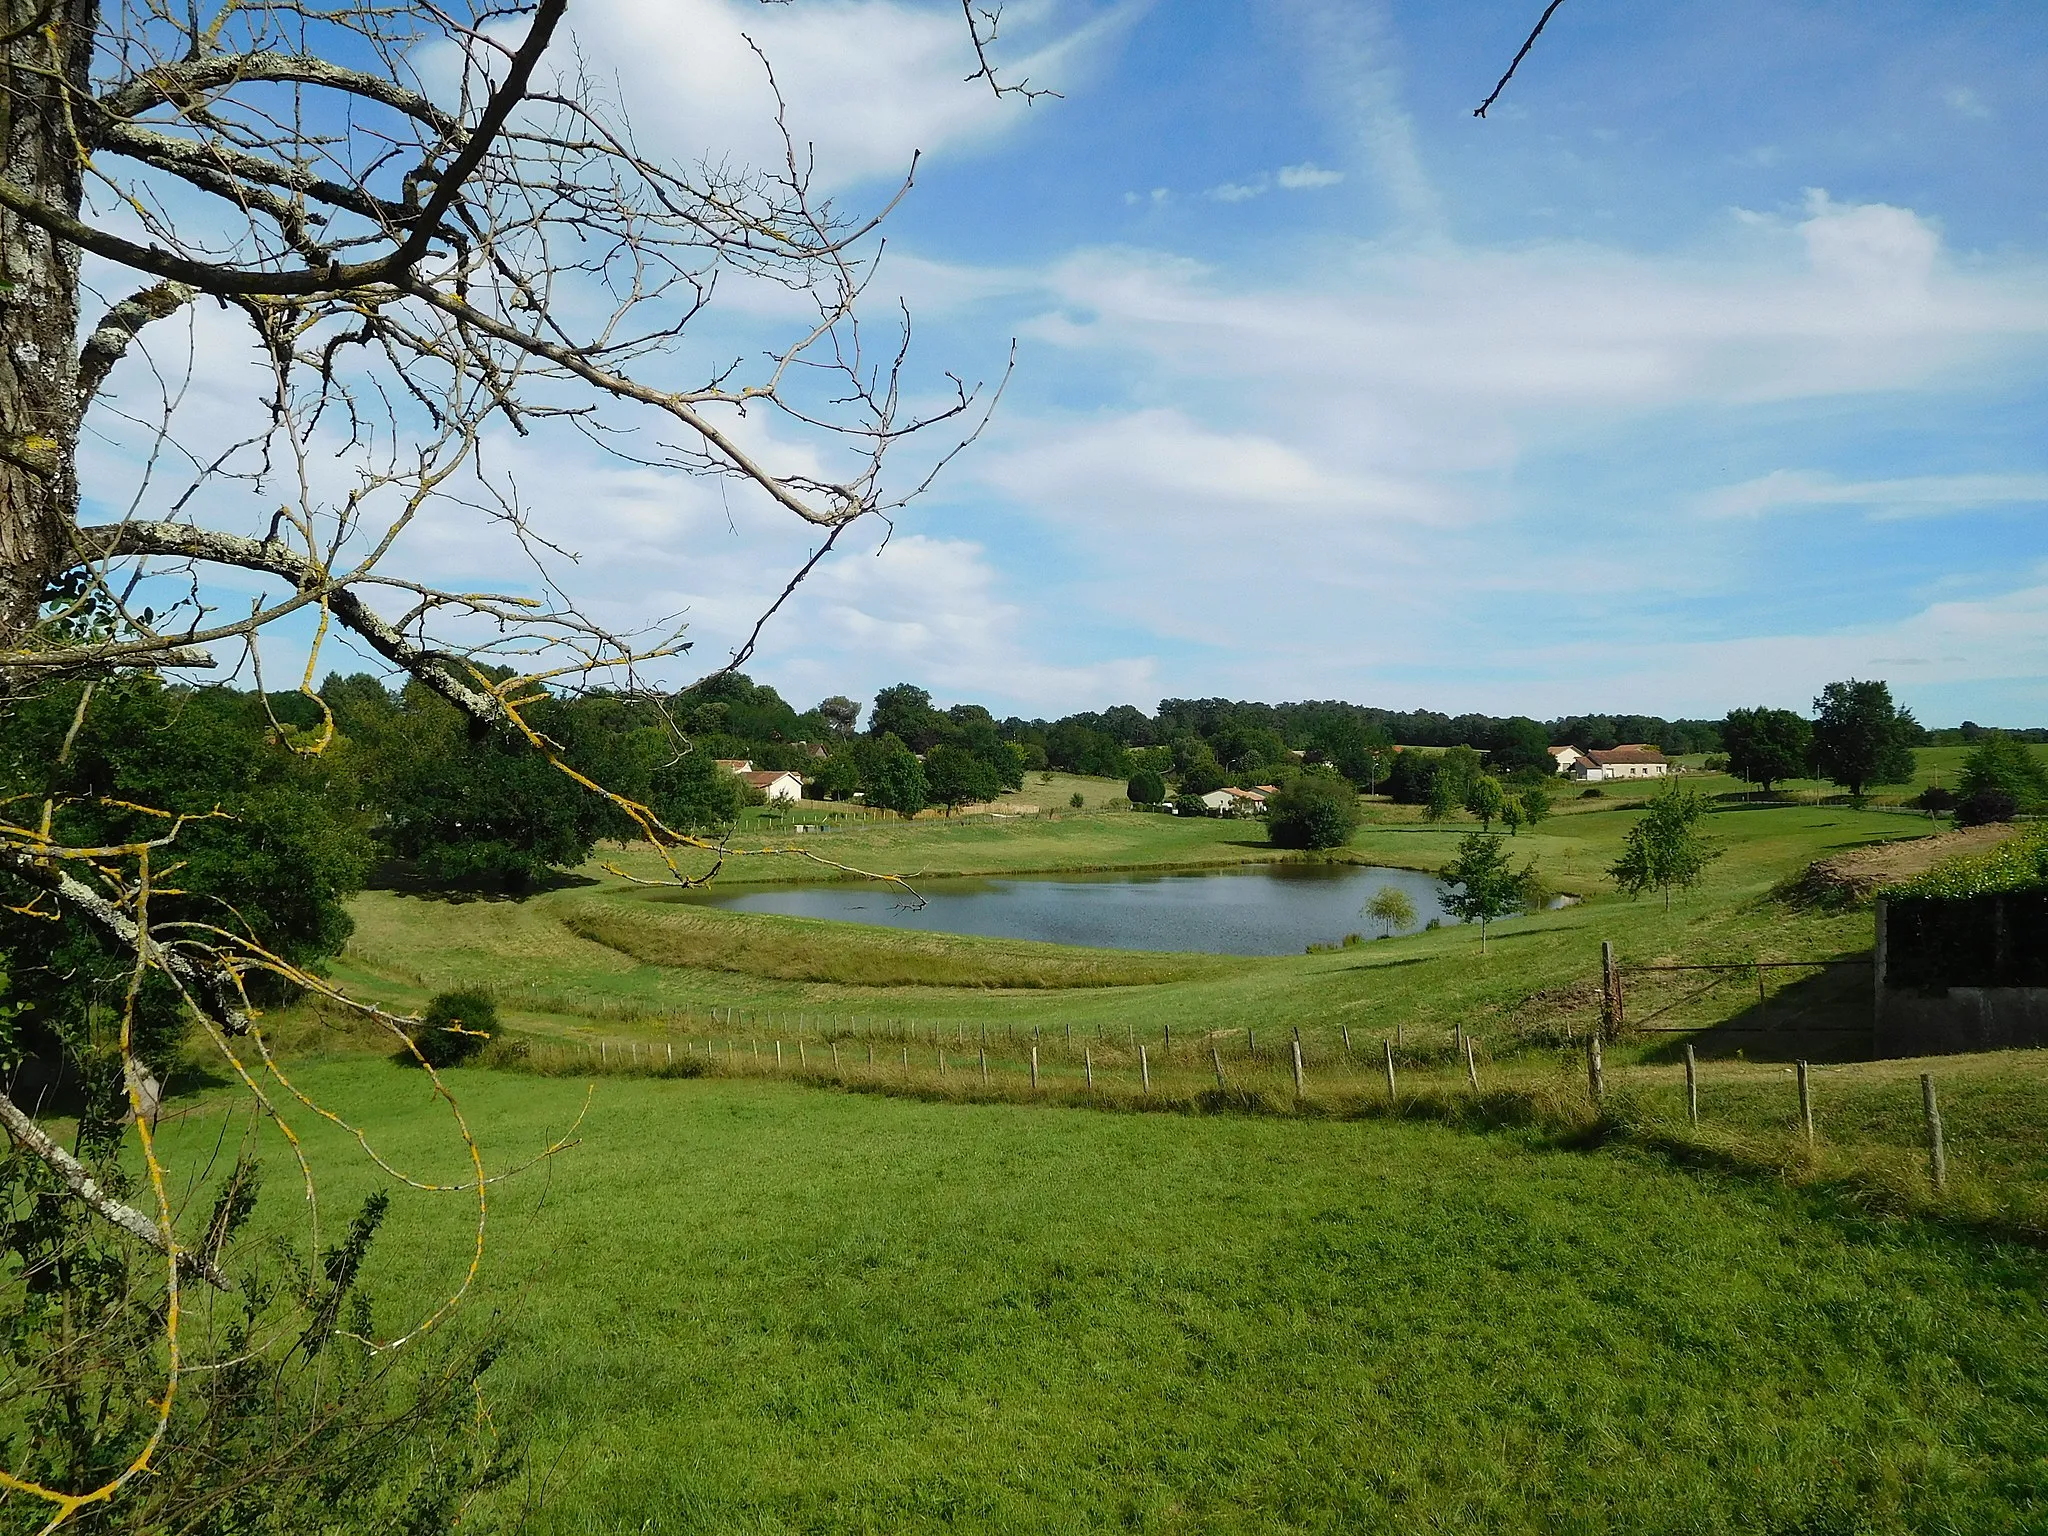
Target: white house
[
  {"x": 1234, "y": 802},
  {"x": 777, "y": 785},
  {"x": 1564, "y": 758},
  {"x": 1640, "y": 761},
  {"x": 736, "y": 764}
]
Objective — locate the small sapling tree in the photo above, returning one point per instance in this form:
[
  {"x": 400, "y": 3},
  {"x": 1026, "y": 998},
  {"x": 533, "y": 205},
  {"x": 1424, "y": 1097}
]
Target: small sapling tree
[
  {"x": 1535, "y": 803},
  {"x": 1666, "y": 847},
  {"x": 1487, "y": 799},
  {"x": 1481, "y": 885},
  {"x": 1392, "y": 909}
]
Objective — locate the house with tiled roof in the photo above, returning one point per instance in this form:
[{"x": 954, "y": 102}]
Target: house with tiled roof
[{"x": 1636, "y": 761}]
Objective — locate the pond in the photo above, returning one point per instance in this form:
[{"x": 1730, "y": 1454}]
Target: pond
[{"x": 1259, "y": 909}]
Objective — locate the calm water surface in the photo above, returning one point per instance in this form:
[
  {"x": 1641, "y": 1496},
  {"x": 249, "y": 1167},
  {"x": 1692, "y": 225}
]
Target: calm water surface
[{"x": 1273, "y": 909}]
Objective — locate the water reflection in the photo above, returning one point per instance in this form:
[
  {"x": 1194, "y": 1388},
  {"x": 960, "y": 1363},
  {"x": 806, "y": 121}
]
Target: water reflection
[{"x": 1273, "y": 909}]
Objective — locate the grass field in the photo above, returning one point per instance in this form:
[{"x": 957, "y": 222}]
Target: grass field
[
  {"x": 760, "y": 1307},
  {"x": 905, "y": 1296}
]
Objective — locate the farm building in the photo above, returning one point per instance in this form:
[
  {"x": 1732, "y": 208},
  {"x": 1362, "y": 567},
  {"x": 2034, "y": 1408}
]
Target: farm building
[
  {"x": 1234, "y": 802},
  {"x": 778, "y": 786},
  {"x": 1632, "y": 762}
]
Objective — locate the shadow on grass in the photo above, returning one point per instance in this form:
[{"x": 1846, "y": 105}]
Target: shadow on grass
[
  {"x": 1821, "y": 1018},
  {"x": 404, "y": 878}
]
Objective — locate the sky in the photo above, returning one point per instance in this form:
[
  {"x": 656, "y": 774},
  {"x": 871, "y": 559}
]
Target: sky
[{"x": 1710, "y": 367}]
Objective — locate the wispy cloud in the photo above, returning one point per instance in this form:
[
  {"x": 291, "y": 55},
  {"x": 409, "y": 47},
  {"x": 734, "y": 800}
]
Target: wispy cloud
[{"x": 1913, "y": 496}]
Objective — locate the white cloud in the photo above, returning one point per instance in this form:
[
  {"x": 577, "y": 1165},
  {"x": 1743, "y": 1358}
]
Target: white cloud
[
  {"x": 1238, "y": 191},
  {"x": 1912, "y": 496},
  {"x": 1307, "y": 175},
  {"x": 869, "y": 83}
]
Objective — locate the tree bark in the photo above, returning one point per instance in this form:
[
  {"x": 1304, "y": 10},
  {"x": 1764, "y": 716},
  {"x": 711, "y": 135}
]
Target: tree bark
[{"x": 43, "y": 70}]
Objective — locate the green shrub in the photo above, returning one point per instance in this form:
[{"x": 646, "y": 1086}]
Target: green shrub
[
  {"x": 2019, "y": 864},
  {"x": 1316, "y": 810},
  {"x": 456, "y": 1026}
]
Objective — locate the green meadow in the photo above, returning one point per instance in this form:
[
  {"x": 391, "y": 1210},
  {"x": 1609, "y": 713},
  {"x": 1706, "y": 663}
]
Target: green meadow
[{"x": 824, "y": 1257}]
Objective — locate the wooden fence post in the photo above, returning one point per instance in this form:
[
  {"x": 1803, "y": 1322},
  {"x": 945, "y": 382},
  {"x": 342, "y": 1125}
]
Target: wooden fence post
[
  {"x": 1088, "y": 1067},
  {"x": 984, "y": 1066},
  {"x": 1610, "y": 982},
  {"x": 803, "y": 1054},
  {"x": 1346, "y": 1028},
  {"x": 1937, "y": 1156},
  {"x": 1596, "y": 1073},
  {"x": 1471, "y": 1065},
  {"x": 1692, "y": 1087},
  {"x": 1392, "y": 1097},
  {"x": 1805, "y": 1105},
  {"x": 1216, "y": 1058},
  {"x": 1251, "y": 1041},
  {"x": 1166, "y": 1049},
  {"x": 1457, "y": 1038},
  {"x": 942, "y": 1061},
  {"x": 835, "y": 1058},
  {"x": 1297, "y": 1067},
  {"x": 1144, "y": 1071},
  {"x": 1034, "y": 1069}
]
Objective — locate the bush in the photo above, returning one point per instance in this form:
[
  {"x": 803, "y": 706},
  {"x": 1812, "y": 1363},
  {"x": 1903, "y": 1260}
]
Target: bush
[
  {"x": 1936, "y": 799},
  {"x": 1986, "y": 806},
  {"x": 1146, "y": 787},
  {"x": 1591, "y": 792},
  {"x": 1316, "y": 810},
  {"x": 455, "y": 1027},
  {"x": 1190, "y": 805}
]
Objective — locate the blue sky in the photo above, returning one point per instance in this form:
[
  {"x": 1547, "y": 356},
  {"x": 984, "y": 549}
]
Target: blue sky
[{"x": 1710, "y": 368}]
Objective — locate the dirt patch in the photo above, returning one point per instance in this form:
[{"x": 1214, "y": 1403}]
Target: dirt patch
[{"x": 1854, "y": 877}]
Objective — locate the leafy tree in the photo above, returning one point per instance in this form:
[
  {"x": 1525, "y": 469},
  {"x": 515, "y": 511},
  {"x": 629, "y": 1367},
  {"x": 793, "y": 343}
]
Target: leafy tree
[
  {"x": 1535, "y": 803},
  {"x": 1312, "y": 810},
  {"x": 473, "y": 809},
  {"x": 1443, "y": 797},
  {"x": 1667, "y": 846},
  {"x": 1765, "y": 745},
  {"x": 840, "y": 714},
  {"x": 955, "y": 777},
  {"x": 906, "y": 713},
  {"x": 837, "y": 777},
  {"x": 1189, "y": 805},
  {"x": 1998, "y": 762},
  {"x": 687, "y": 790},
  {"x": 1486, "y": 798},
  {"x": 1861, "y": 738},
  {"x": 1520, "y": 744},
  {"x": 1481, "y": 885},
  {"x": 1392, "y": 909},
  {"x": 1511, "y": 815},
  {"x": 893, "y": 779},
  {"x": 1146, "y": 787},
  {"x": 1195, "y": 767}
]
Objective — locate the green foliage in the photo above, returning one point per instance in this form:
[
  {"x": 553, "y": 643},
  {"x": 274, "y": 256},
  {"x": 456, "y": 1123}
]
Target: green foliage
[
  {"x": 455, "y": 1026},
  {"x": 1486, "y": 798},
  {"x": 283, "y": 1422},
  {"x": 837, "y": 777},
  {"x": 1146, "y": 787},
  {"x": 1392, "y": 908},
  {"x": 278, "y": 843},
  {"x": 1075, "y": 800},
  {"x": 1765, "y": 745},
  {"x": 1861, "y": 738},
  {"x": 893, "y": 779},
  {"x": 2020, "y": 863},
  {"x": 1312, "y": 810},
  {"x": 1666, "y": 847},
  {"x": 1998, "y": 762},
  {"x": 1195, "y": 767},
  {"x": 955, "y": 777},
  {"x": 1481, "y": 885},
  {"x": 1535, "y": 804},
  {"x": 1444, "y": 799},
  {"x": 906, "y": 713},
  {"x": 1520, "y": 744}
]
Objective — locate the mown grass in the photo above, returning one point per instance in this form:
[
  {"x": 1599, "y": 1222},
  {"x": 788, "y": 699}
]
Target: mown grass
[
  {"x": 814, "y": 950},
  {"x": 749, "y": 1306}
]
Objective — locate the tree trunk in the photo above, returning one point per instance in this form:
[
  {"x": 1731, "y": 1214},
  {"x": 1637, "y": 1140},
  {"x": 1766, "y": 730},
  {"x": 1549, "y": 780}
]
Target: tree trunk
[{"x": 45, "y": 67}]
